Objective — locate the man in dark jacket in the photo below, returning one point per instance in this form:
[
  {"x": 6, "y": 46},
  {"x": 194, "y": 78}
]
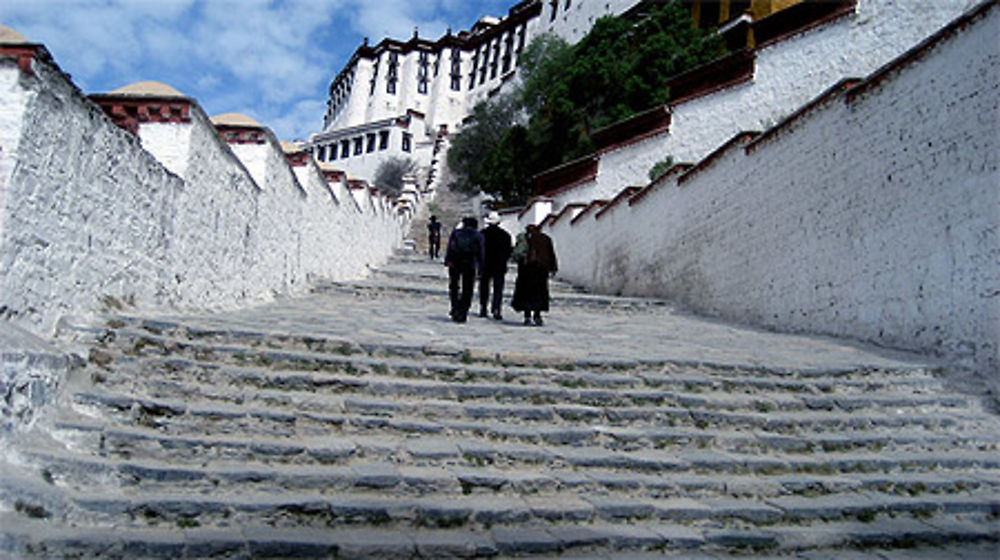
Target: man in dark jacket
[
  {"x": 463, "y": 257},
  {"x": 434, "y": 237},
  {"x": 497, "y": 248}
]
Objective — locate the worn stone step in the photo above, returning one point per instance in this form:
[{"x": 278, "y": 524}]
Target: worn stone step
[
  {"x": 75, "y": 470},
  {"x": 952, "y": 539},
  {"x": 188, "y": 334},
  {"x": 555, "y": 425},
  {"x": 234, "y": 505},
  {"x": 187, "y": 377},
  {"x": 127, "y": 442}
]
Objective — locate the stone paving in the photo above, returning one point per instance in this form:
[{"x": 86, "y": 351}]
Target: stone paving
[{"x": 359, "y": 422}]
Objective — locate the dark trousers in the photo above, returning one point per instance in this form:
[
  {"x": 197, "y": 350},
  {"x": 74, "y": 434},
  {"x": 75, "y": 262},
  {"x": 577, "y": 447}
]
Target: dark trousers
[
  {"x": 435, "y": 246},
  {"x": 461, "y": 282},
  {"x": 495, "y": 278}
]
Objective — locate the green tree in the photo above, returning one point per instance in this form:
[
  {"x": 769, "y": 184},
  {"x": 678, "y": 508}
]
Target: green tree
[
  {"x": 470, "y": 156},
  {"x": 620, "y": 68},
  {"x": 390, "y": 173}
]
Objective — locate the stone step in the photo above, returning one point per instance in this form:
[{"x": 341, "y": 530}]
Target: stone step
[
  {"x": 951, "y": 538},
  {"x": 306, "y": 414},
  {"x": 130, "y": 442},
  {"x": 77, "y": 471},
  {"x": 647, "y": 384},
  {"x": 403, "y": 378},
  {"x": 240, "y": 506},
  {"x": 148, "y": 345},
  {"x": 727, "y": 377}
]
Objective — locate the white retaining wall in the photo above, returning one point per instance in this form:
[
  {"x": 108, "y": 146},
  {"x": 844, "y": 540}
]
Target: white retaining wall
[
  {"x": 90, "y": 217},
  {"x": 873, "y": 218},
  {"x": 787, "y": 74}
]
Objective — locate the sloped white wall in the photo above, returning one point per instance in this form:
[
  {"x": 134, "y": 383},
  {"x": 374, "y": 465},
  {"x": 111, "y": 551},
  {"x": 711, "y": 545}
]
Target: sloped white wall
[{"x": 872, "y": 217}]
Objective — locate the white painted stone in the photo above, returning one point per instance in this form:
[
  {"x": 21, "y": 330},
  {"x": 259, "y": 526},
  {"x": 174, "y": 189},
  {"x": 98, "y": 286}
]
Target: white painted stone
[
  {"x": 92, "y": 219},
  {"x": 787, "y": 75},
  {"x": 873, "y": 220}
]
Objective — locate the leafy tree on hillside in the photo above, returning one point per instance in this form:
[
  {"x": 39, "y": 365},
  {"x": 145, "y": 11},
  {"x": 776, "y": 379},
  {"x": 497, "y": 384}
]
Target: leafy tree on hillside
[
  {"x": 619, "y": 69},
  {"x": 471, "y": 156},
  {"x": 390, "y": 173}
]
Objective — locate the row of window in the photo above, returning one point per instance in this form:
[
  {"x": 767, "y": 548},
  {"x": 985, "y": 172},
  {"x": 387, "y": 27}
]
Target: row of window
[{"x": 360, "y": 145}]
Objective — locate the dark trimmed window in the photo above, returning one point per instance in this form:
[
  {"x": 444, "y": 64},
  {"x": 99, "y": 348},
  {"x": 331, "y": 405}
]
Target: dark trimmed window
[
  {"x": 407, "y": 141},
  {"x": 393, "y": 74},
  {"x": 359, "y": 146},
  {"x": 475, "y": 67},
  {"x": 383, "y": 140},
  {"x": 508, "y": 51},
  {"x": 456, "y": 69},
  {"x": 496, "y": 59},
  {"x": 483, "y": 67},
  {"x": 321, "y": 153},
  {"x": 422, "y": 75},
  {"x": 332, "y": 151},
  {"x": 371, "y": 142},
  {"x": 345, "y": 149}
]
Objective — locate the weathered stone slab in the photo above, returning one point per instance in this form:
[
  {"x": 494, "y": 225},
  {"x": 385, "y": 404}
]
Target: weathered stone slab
[{"x": 522, "y": 541}]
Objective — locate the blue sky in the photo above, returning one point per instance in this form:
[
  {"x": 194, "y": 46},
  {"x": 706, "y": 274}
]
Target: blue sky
[{"x": 272, "y": 60}]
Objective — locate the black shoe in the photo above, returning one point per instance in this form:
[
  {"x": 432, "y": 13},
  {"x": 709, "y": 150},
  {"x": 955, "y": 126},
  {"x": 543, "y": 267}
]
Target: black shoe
[
  {"x": 497, "y": 317},
  {"x": 482, "y": 313},
  {"x": 538, "y": 320},
  {"x": 527, "y": 321}
]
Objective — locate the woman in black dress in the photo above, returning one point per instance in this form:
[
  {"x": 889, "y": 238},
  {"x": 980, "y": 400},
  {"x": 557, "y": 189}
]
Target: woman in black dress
[{"x": 536, "y": 263}]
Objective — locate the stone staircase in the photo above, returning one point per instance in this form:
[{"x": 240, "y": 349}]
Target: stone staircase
[
  {"x": 449, "y": 207},
  {"x": 359, "y": 422}
]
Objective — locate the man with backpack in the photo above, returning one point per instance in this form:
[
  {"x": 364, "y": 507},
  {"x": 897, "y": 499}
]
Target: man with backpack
[{"x": 464, "y": 258}]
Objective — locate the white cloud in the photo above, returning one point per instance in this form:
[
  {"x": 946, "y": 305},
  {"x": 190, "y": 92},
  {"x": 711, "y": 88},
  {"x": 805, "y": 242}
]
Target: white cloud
[{"x": 264, "y": 56}]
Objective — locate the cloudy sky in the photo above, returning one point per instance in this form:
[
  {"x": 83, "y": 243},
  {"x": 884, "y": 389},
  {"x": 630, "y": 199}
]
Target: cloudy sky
[{"x": 272, "y": 60}]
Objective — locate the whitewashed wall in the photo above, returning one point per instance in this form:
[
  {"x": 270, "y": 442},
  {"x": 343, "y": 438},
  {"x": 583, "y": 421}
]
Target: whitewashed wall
[
  {"x": 89, "y": 215},
  {"x": 787, "y": 74},
  {"x": 874, "y": 219},
  {"x": 572, "y": 23},
  {"x": 83, "y": 206}
]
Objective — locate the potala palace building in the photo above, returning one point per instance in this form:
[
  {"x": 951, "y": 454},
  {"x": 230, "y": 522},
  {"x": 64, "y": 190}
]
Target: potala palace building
[{"x": 399, "y": 98}]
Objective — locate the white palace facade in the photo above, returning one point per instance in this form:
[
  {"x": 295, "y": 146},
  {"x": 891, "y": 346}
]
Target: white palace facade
[{"x": 402, "y": 98}]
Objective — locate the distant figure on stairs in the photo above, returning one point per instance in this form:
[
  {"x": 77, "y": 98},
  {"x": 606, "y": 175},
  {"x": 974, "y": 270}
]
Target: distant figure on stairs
[
  {"x": 464, "y": 258},
  {"x": 536, "y": 262},
  {"x": 497, "y": 245},
  {"x": 434, "y": 237}
]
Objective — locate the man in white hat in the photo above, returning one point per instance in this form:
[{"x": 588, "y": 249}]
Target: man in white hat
[{"x": 497, "y": 248}]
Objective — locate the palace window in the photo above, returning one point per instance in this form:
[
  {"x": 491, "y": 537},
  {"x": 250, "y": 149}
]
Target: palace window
[
  {"x": 520, "y": 39},
  {"x": 482, "y": 69},
  {"x": 456, "y": 70},
  {"x": 332, "y": 151},
  {"x": 345, "y": 149},
  {"x": 508, "y": 51},
  {"x": 371, "y": 142},
  {"x": 383, "y": 140},
  {"x": 555, "y": 8},
  {"x": 422, "y": 73},
  {"x": 321, "y": 153},
  {"x": 407, "y": 140},
  {"x": 359, "y": 145},
  {"x": 375, "y": 75},
  {"x": 393, "y": 74},
  {"x": 475, "y": 65},
  {"x": 496, "y": 59}
]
